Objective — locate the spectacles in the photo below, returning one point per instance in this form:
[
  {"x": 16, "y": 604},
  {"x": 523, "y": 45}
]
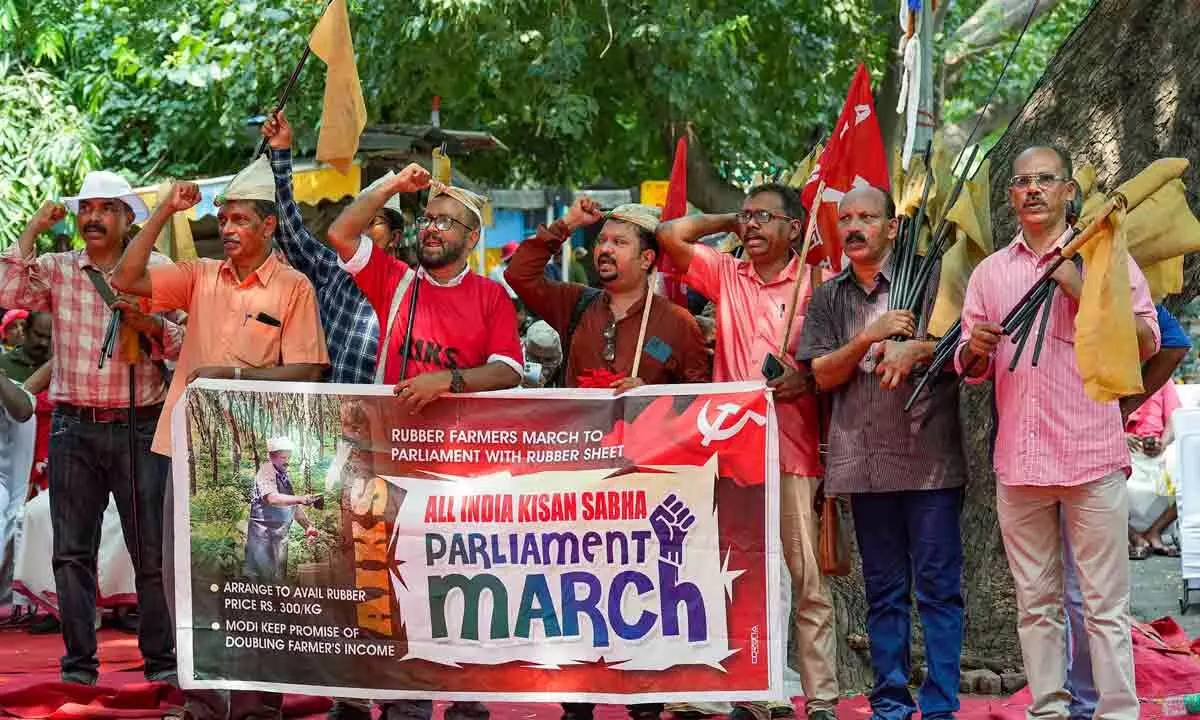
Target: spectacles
[
  {"x": 762, "y": 217},
  {"x": 1024, "y": 182},
  {"x": 610, "y": 342},
  {"x": 441, "y": 222}
]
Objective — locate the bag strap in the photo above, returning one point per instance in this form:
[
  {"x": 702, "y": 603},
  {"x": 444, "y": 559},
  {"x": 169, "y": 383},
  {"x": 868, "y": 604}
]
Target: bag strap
[
  {"x": 110, "y": 297},
  {"x": 586, "y": 298},
  {"x": 397, "y": 299}
]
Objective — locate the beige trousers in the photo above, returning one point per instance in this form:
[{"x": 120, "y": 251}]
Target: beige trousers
[
  {"x": 816, "y": 648},
  {"x": 1094, "y": 516}
]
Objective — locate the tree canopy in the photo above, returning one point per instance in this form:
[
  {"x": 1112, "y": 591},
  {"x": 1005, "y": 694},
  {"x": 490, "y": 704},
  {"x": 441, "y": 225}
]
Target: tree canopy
[{"x": 579, "y": 92}]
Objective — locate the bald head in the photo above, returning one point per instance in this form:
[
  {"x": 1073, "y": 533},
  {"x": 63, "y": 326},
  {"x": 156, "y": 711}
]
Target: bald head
[
  {"x": 881, "y": 199},
  {"x": 867, "y": 225}
]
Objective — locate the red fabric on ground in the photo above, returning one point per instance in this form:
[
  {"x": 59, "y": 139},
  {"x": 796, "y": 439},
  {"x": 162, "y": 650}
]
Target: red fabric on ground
[{"x": 1167, "y": 661}]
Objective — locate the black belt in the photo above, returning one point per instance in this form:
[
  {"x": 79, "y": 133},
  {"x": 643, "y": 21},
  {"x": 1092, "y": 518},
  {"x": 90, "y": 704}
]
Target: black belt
[{"x": 109, "y": 415}]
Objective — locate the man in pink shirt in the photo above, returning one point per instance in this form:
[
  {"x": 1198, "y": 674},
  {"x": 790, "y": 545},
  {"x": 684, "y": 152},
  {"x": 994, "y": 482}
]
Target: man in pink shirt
[
  {"x": 1057, "y": 451},
  {"x": 753, "y": 297}
]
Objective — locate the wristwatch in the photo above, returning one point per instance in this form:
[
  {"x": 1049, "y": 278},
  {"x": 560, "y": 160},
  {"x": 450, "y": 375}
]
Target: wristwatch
[{"x": 457, "y": 384}]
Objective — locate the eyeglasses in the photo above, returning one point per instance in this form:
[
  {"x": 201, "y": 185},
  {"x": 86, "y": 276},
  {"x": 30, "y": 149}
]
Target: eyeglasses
[
  {"x": 1024, "y": 182},
  {"x": 610, "y": 342},
  {"x": 762, "y": 217},
  {"x": 441, "y": 222}
]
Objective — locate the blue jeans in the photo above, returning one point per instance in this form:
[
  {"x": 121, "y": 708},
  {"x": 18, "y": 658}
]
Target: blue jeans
[
  {"x": 88, "y": 461},
  {"x": 1079, "y": 658},
  {"x": 909, "y": 542}
]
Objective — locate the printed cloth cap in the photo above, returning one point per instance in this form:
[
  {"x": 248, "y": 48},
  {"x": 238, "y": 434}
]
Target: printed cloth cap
[
  {"x": 470, "y": 200},
  {"x": 644, "y": 216}
]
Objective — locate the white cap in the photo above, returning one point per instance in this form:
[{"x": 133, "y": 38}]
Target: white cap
[
  {"x": 393, "y": 203},
  {"x": 102, "y": 184},
  {"x": 254, "y": 182},
  {"x": 280, "y": 444}
]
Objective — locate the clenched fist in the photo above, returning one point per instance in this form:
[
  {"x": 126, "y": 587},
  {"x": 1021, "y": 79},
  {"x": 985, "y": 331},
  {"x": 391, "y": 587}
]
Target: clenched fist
[
  {"x": 409, "y": 180},
  {"x": 183, "y": 195},
  {"x": 47, "y": 216},
  {"x": 584, "y": 211}
]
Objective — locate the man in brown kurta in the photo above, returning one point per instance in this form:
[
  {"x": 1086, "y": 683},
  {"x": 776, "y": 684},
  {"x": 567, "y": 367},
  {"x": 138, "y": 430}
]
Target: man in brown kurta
[{"x": 599, "y": 328}]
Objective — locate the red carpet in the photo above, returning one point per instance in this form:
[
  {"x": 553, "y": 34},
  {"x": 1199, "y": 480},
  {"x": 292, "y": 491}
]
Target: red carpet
[{"x": 1168, "y": 663}]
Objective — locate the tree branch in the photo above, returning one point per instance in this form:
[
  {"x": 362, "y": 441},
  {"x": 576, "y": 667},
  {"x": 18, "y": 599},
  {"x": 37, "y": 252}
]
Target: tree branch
[{"x": 988, "y": 26}]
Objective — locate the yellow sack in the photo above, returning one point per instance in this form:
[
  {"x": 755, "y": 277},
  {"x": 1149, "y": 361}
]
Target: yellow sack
[
  {"x": 1164, "y": 278},
  {"x": 1106, "y": 347},
  {"x": 971, "y": 216},
  {"x": 1162, "y": 226}
]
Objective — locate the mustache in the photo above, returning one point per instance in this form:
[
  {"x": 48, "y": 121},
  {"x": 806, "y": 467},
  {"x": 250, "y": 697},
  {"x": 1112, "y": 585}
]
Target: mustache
[
  {"x": 94, "y": 226},
  {"x": 606, "y": 256},
  {"x": 856, "y": 235}
]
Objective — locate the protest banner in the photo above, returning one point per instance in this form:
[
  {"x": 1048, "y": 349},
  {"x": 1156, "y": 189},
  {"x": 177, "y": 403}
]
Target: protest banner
[{"x": 525, "y": 545}]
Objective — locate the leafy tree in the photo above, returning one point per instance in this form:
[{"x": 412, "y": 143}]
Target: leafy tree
[{"x": 46, "y": 144}]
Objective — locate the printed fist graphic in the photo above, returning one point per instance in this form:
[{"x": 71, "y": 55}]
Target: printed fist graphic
[{"x": 670, "y": 522}]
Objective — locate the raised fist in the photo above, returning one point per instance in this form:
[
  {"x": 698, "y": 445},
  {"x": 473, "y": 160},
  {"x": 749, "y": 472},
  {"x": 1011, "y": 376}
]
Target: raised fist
[
  {"x": 47, "y": 216},
  {"x": 277, "y": 131},
  {"x": 670, "y": 522},
  {"x": 411, "y": 179},
  {"x": 183, "y": 195},
  {"x": 584, "y": 211}
]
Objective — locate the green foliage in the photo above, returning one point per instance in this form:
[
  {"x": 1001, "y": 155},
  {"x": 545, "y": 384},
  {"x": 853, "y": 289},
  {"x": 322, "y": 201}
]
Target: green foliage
[
  {"x": 46, "y": 145},
  {"x": 978, "y": 74},
  {"x": 577, "y": 91}
]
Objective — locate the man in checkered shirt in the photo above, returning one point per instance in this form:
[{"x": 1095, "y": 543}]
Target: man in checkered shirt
[
  {"x": 351, "y": 328},
  {"x": 89, "y": 445}
]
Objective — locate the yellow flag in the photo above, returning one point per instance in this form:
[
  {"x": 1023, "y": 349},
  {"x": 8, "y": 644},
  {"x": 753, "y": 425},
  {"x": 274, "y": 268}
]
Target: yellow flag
[
  {"x": 175, "y": 241},
  {"x": 972, "y": 220},
  {"x": 1106, "y": 347},
  {"x": 344, "y": 114},
  {"x": 805, "y": 167}
]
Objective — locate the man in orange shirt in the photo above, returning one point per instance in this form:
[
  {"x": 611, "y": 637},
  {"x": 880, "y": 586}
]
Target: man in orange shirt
[{"x": 249, "y": 318}]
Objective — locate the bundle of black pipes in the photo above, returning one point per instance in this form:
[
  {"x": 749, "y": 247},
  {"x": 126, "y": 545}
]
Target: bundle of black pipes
[
  {"x": 912, "y": 270},
  {"x": 1017, "y": 325}
]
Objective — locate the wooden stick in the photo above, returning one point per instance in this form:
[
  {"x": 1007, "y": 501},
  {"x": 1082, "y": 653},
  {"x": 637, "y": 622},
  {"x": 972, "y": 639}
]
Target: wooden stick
[
  {"x": 637, "y": 358},
  {"x": 1117, "y": 201},
  {"x": 808, "y": 236}
]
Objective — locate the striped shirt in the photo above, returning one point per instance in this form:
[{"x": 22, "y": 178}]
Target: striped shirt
[
  {"x": 351, "y": 327},
  {"x": 1048, "y": 431},
  {"x": 874, "y": 446},
  {"x": 57, "y": 284}
]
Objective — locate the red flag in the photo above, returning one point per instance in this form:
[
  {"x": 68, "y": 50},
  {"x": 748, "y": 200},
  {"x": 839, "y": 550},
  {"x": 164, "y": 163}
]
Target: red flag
[
  {"x": 675, "y": 207},
  {"x": 853, "y": 157}
]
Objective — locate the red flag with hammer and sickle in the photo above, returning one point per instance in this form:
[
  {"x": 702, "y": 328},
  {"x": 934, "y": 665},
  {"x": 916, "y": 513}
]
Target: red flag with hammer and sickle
[{"x": 853, "y": 157}]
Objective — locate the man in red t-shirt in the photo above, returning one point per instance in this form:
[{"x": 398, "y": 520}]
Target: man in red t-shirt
[
  {"x": 463, "y": 336},
  {"x": 443, "y": 328}
]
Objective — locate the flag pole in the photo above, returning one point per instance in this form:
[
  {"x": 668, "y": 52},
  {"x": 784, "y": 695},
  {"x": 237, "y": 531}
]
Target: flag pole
[
  {"x": 808, "y": 236},
  {"x": 291, "y": 83}
]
